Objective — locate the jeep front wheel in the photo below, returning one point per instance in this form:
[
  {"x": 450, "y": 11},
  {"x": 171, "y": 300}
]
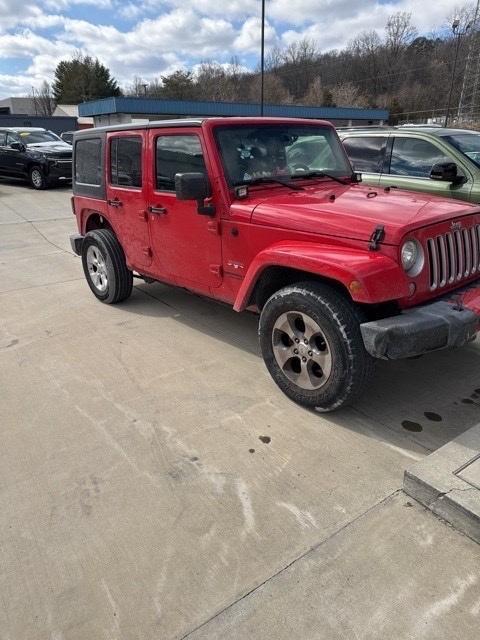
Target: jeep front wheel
[
  {"x": 105, "y": 266},
  {"x": 312, "y": 346}
]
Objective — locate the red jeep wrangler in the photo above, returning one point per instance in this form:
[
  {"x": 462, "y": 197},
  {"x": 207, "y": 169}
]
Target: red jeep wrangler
[{"x": 267, "y": 213}]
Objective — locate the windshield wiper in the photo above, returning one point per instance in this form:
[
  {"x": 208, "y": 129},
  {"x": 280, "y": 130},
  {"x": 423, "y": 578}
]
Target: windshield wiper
[
  {"x": 285, "y": 183},
  {"x": 318, "y": 174}
]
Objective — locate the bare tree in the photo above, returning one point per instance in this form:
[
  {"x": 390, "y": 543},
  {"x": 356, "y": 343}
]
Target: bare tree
[
  {"x": 366, "y": 50},
  {"x": 275, "y": 91},
  {"x": 399, "y": 32},
  {"x": 315, "y": 94},
  {"x": 347, "y": 94},
  {"x": 43, "y": 99},
  {"x": 299, "y": 67},
  {"x": 139, "y": 87}
]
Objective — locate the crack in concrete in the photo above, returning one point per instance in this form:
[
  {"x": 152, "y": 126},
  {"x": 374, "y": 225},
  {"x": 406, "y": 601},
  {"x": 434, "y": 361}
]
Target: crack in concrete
[
  {"x": 32, "y": 224},
  {"x": 287, "y": 566}
]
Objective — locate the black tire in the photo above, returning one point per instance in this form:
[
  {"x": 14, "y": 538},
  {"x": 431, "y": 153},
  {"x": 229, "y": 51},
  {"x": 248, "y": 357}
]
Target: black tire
[
  {"x": 118, "y": 281},
  {"x": 351, "y": 367},
  {"x": 37, "y": 178}
]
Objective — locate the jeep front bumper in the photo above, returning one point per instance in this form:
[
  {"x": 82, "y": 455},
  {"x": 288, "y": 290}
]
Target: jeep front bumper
[{"x": 451, "y": 321}]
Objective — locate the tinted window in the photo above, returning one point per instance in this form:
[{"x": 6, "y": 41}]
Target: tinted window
[
  {"x": 37, "y": 137},
  {"x": 366, "y": 154},
  {"x": 177, "y": 154},
  {"x": 468, "y": 144},
  {"x": 414, "y": 157},
  {"x": 126, "y": 162},
  {"x": 12, "y": 137},
  {"x": 3, "y": 138},
  {"x": 88, "y": 161}
]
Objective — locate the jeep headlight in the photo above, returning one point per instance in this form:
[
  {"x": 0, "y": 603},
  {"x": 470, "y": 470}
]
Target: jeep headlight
[{"x": 412, "y": 257}]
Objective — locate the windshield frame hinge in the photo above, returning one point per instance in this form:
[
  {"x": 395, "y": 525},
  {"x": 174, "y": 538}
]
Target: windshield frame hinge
[{"x": 377, "y": 237}]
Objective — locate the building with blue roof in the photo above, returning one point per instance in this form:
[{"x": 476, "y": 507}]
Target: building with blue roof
[{"x": 129, "y": 109}]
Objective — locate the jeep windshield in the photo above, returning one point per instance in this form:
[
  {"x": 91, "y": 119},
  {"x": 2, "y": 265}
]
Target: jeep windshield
[
  {"x": 468, "y": 144},
  {"x": 38, "y": 137},
  {"x": 280, "y": 152}
]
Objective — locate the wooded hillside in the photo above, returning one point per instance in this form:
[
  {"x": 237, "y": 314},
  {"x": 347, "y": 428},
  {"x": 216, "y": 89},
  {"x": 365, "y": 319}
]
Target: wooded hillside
[{"x": 401, "y": 71}]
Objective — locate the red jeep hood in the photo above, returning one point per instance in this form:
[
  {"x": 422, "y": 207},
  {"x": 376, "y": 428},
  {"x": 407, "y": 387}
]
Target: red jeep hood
[{"x": 351, "y": 211}]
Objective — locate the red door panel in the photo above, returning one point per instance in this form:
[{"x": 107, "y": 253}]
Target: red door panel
[
  {"x": 126, "y": 194},
  {"x": 186, "y": 246}
]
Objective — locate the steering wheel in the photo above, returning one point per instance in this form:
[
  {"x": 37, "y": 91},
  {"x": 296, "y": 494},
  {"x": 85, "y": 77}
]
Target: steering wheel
[{"x": 301, "y": 167}]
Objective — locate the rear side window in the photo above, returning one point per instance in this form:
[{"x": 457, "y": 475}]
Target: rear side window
[
  {"x": 3, "y": 138},
  {"x": 415, "y": 157},
  {"x": 88, "y": 162},
  {"x": 366, "y": 154},
  {"x": 177, "y": 154},
  {"x": 126, "y": 161}
]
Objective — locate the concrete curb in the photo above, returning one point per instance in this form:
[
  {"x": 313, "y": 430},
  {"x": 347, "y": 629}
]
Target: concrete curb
[{"x": 448, "y": 482}]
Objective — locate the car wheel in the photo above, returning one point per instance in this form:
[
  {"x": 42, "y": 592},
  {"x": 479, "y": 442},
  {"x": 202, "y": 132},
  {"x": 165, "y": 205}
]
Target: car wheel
[
  {"x": 312, "y": 346},
  {"x": 105, "y": 266},
  {"x": 37, "y": 178}
]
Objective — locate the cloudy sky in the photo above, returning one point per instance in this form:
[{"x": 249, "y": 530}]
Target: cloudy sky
[{"x": 149, "y": 38}]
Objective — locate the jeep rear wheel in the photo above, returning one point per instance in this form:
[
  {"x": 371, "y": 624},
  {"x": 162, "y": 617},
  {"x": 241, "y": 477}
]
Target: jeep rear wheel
[
  {"x": 37, "y": 178},
  {"x": 105, "y": 266},
  {"x": 312, "y": 346}
]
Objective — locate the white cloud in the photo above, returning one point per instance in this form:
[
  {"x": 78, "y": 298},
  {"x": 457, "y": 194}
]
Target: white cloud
[
  {"x": 248, "y": 39},
  {"x": 165, "y": 34}
]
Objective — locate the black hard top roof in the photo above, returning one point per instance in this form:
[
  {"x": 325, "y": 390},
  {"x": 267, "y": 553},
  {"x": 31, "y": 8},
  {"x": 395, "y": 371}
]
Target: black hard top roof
[
  {"x": 153, "y": 124},
  {"x": 197, "y": 122}
]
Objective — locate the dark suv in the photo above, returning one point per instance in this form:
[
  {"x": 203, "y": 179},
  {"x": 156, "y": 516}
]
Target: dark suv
[{"x": 37, "y": 155}]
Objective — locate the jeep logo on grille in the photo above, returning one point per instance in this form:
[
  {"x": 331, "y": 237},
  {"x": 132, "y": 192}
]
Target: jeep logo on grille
[{"x": 456, "y": 226}]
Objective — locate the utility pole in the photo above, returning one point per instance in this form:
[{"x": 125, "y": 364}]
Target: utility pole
[
  {"x": 34, "y": 101},
  {"x": 456, "y": 35},
  {"x": 470, "y": 94},
  {"x": 262, "y": 62}
]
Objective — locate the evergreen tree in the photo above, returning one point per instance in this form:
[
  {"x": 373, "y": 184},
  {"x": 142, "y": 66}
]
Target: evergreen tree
[
  {"x": 83, "y": 78},
  {"x": 179, "y": 85}
]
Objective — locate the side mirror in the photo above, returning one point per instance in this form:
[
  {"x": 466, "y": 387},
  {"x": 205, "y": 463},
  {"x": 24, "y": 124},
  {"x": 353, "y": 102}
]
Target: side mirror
[
  {"x": 194, "y": 186},
  {"x": 446, "y": 172},
  {"x": 18, "y": 146}
]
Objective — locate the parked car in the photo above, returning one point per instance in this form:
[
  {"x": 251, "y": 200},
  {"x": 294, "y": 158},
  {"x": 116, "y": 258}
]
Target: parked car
[
  {"x": 341, "y": 273},
  {"x": 67, "y": 136},
  {"x": 34, "y": 154},
  {"x": 445, "y": 162}
]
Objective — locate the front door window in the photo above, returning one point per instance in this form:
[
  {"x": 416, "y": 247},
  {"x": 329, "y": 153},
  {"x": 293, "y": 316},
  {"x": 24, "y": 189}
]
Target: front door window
[
  {"x": 177, "y": 154},
  {"x": 415, "y": 157}
]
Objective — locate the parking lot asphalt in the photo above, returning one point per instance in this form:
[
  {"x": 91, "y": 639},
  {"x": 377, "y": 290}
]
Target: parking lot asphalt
[{"x": 154, "y": 483}]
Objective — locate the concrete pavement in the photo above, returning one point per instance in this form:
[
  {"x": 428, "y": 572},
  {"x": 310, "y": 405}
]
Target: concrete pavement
[
  {"x": 448, "y": 482},
  {"x": 151, "y": 474}
]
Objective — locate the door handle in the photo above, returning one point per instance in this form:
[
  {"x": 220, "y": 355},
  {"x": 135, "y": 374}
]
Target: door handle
[
  {"x": 115, "y": 203},
  {"x": 159, "y": 210}
]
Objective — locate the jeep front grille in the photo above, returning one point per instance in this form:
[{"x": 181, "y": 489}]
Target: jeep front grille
[{"x": 453, "y": 256}]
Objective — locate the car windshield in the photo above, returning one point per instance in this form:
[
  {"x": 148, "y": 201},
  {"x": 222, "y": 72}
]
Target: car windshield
[
  {"x": 37, "y": 137},
  {"x": 284, "y": 151},
  {"x": 468, "y": 144}
]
